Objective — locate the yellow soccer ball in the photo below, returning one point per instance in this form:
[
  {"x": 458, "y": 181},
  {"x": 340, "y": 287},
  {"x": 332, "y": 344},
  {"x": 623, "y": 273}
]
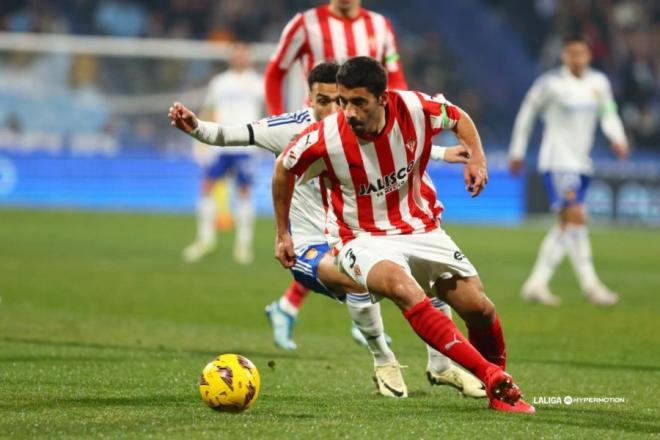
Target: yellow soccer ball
[{"x": 229, "y": 382}]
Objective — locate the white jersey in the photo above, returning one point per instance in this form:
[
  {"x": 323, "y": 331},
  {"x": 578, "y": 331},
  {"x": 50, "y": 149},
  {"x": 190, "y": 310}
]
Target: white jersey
[
  {"x": 235, "y": 97},
  {"x": 570, "y": 107},
  {"x": 307, "y": 215}
]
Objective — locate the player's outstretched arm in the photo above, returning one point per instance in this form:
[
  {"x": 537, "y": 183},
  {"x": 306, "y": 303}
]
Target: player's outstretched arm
[
  {"x": 209, "y": 132},
  {"x": 182, "y": 118},
  {"x": 476, "y": 168},
  {"x": 453, "y": 154},
  {"x": 283, "y": 183}
]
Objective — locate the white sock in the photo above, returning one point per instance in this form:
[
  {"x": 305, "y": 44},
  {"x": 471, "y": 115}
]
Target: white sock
[
  {"x": 206, "y": 219},
  {"x": 552, "y": 251},
  {"x": 438, "y": 362},
  {"x": 287, "y": 307},
  {"x": 367, "y": 318},
  {"x": 244, "y": 223},
  {"x": 579, "y": 252}
]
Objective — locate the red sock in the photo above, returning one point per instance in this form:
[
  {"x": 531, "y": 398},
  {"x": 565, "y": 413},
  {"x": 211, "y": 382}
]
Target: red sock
[
  {"x": 490, "y": 342},
  {"x": 442, "y": 334},
  {"x": 296, "y": 294}
]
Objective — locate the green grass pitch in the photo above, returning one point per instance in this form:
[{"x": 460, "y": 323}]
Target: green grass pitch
[{"x": 104, "y": 332}]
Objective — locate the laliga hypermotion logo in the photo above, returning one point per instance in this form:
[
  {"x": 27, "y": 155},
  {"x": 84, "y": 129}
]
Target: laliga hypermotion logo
[{"x": 388, "y": 183}]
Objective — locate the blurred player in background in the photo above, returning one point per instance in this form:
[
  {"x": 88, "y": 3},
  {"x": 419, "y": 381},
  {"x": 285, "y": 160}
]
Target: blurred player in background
[
  {"x": 233, "y": 96},
  {"x": 332, "y": 32},
  {"x": 315, "y": 268},
  {"x": 571, "y": 99},
  {"x": 383, "y": 221}
]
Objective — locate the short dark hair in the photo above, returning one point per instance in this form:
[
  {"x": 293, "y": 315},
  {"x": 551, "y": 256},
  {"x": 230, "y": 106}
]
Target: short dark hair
[
  {"x": 325, "y": 73},
  {"x": 574, "y": 38},
  {"x": 363, "y": 72}
]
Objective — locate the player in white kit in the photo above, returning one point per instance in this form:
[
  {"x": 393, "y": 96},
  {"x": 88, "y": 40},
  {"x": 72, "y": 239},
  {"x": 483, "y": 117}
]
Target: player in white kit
[
  {"x": 233, "y": 96},
  {"x": 571, "y": 99},
  {"x": 315, "y": 268}
]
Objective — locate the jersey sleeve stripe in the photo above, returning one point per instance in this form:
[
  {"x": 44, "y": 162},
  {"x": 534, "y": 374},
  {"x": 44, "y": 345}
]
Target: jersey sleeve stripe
[
  {"x": 307, "y": 148},
  {"x": 293, "y": 38}
]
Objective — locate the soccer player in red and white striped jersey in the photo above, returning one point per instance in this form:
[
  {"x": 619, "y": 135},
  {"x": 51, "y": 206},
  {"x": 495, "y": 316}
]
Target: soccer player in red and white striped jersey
[
  {"x": 385, "y": 223},
  {"x": 333, "y": 32}
]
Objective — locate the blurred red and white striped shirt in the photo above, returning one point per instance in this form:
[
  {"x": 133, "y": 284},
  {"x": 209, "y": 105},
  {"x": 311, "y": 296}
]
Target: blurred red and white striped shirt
[
  {"x": 376, "y": 186},
  {"x": 316, "y": 35}
]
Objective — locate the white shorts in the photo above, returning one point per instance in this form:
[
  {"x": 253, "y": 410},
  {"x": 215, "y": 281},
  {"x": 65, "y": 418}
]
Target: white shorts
[{"x": 427, "y": 257}]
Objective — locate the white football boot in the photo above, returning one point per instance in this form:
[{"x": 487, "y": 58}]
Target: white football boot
[
  {"x": 389, "y": 380},
  {"x": 243, "y": 255},
  {"x": 282, "y": 324},
  {"x": 601, "y": 295},
  {"x": 539, "y": 294},
  {"x": 466, "y": 383},
  {"x": 197, "y": 250}
]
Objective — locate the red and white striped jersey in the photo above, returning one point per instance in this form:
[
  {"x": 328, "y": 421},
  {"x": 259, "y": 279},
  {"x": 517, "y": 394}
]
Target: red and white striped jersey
[
  {"x": 316, "y": 35},
  {"x": 376, "y": 186}
]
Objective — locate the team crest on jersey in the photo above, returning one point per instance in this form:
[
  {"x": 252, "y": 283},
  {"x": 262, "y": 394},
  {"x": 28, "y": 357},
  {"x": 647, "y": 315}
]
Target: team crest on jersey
[
  {"x": 311, "y": 254},
  {"x": 411, "y": 144}
]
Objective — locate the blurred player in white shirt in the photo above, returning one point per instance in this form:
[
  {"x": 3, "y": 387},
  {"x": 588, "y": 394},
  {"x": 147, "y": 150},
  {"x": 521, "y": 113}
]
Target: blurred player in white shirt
[
  {"x": 233, "y": 96},
  {"x": 315, "y": 268},
  {"x": 571, "y": 99}
]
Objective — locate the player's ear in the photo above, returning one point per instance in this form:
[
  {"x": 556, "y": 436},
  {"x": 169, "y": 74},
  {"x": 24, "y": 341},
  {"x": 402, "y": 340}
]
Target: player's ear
[{"x": 382, "y": 99}]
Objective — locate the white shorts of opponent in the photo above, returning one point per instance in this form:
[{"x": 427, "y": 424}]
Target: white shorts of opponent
[{"x": 427, "y": 257}]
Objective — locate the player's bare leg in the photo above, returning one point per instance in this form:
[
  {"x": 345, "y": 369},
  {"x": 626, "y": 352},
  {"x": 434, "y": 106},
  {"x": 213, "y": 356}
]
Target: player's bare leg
[
  {"x": 368, "y": 328},
  {"x": 390, "y": 280},
  {"x": 573, "y": 220},
  {"x": 205, "y": 240}
]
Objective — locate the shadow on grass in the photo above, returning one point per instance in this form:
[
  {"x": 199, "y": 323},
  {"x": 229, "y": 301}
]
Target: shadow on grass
[
  {"x": 160, "y": 349},
  {"x": 602, "y": 418},
  {"x": 597, "y": 365}
]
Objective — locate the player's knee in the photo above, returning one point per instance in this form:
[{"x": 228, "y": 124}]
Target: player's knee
[
  {"x": 405, "y": 292},
  {"x": 482, "y": 313}
]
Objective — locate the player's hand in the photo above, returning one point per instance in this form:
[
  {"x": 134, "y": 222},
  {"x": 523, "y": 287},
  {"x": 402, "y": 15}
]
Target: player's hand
[
  {"x": 621, "y": 151},
  {"x": 516, "y": 166},
  {"x": 182, "y": 118},
  {"x": 475, "y": 174},
  {"x": 457, "y": 154},
  {"x": 284, "y": 250}
]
